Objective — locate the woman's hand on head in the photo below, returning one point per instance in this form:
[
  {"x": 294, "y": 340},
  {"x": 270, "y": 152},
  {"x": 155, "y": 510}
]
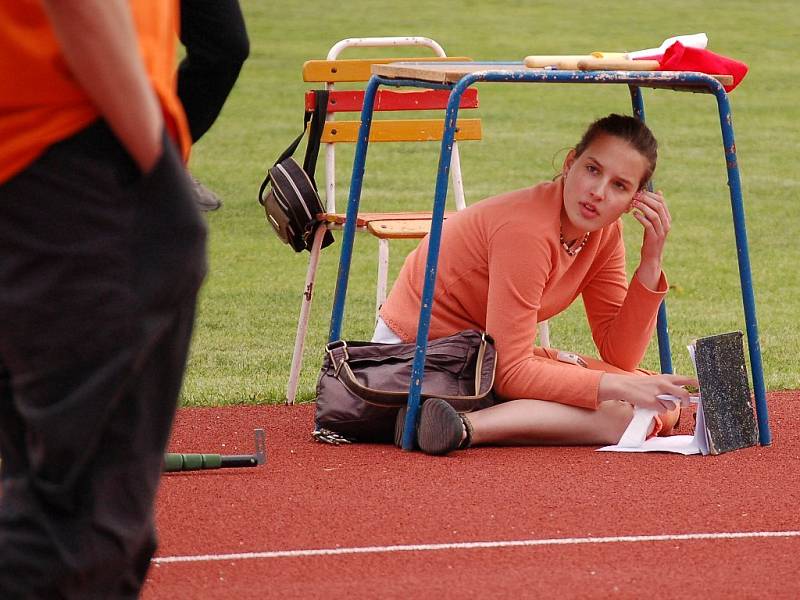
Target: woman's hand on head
[
  {"x": 651, "y": 211},
  {"x": 643, "y": 391}
]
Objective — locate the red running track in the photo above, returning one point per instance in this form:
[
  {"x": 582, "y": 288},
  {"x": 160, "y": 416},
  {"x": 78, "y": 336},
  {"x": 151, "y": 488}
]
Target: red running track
[{"x": 367, "y": 521}]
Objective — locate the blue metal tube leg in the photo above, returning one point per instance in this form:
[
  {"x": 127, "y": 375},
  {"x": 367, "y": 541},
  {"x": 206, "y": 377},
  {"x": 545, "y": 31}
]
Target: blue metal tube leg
[
  {"x": 349, "y": 234},
  {"x": 664, "y": 352},
  {"x": 743, "y": 256},
  {"x": 434, "y": 242}
]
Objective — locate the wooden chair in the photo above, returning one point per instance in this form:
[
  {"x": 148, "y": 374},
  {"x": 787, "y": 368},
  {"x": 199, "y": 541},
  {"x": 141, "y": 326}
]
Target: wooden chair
[{"x": 384, "y": 226}]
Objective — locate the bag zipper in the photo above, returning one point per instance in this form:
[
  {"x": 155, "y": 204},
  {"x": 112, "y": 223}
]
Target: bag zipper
[{"x": 294, "y": 187}]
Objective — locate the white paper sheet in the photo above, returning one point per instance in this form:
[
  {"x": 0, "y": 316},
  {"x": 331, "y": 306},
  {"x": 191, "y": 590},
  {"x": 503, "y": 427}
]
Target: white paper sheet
[
  {"x": 634, "y": 437},
  {"x": 636, "y": 433},
  {"x": 679, "y": 444}
]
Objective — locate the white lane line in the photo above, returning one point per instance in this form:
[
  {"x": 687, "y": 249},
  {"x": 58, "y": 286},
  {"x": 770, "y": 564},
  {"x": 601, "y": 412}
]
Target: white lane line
[{"x": 477, "y": 545}]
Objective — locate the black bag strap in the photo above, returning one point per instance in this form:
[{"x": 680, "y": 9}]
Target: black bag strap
[
  {"x": 293, "y": 146},
  {"x": 315, "y": 135},
  {"x": 317, "y": 119}
]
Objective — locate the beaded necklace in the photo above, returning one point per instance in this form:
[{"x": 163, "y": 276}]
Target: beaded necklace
[{"x": 573, "y": 248}]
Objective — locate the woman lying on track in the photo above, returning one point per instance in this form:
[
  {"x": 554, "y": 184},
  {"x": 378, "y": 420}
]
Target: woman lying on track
[{"x": 524, "y": 256}]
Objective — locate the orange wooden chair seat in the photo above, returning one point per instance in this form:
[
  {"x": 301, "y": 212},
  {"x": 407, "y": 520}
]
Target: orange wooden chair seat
[
  {"x": 399, "y": 229},
  {"x": 365, "y": 219}
]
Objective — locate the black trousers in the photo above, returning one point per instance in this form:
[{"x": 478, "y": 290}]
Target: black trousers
[
  {"x": 214, "y": 35},
  {"x": 99, "y": 271}
]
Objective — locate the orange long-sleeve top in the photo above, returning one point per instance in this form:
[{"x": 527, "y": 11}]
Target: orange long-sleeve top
[
  {"x": 502, "y": 269},
  {"x": 40, "y": 101}
]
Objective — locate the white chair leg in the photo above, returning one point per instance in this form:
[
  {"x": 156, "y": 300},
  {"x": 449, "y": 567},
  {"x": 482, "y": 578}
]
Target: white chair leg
[
  {"x": 383, "y": 275},
  {"x": 305, "y": 312},
  {"x": 458, "y": 181},
  {"x": 544, "y": 334}
]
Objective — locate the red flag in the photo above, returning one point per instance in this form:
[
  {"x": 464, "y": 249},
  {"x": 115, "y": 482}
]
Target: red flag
[{"x": 680, "y": 58}]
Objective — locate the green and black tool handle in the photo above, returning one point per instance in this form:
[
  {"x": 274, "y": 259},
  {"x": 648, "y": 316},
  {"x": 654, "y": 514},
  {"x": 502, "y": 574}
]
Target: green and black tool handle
[{"x": 195, "y": 462}]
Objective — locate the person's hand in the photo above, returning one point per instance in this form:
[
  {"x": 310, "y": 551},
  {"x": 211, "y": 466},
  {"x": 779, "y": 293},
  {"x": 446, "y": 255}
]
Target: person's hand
[
  {"x": 643, "y": 391},
  {"x": 651, "y": 211},
  {"x": 146, "y": 152}
]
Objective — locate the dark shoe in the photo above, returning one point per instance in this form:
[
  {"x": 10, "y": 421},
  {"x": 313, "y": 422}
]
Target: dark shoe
[
  {"x": 399, "y": 426},
  {"x": 441, "y": 429},
  {"x": 205, "y": 198},
  {"x": 463, "y": 426}
]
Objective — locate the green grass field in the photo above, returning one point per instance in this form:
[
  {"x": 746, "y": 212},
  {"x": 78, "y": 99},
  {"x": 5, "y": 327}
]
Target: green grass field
[{"x": 249, "y": 304}]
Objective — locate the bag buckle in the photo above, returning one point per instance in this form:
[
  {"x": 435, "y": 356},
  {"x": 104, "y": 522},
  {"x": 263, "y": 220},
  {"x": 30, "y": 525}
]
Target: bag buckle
[{"x": 331, "y": 350}]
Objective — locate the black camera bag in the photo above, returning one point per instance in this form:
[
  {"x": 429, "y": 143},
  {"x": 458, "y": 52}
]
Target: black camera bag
[{"x": 291, "y": 201}]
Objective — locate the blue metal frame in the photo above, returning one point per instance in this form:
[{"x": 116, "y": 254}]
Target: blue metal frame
[{"x": 634, "y": 79}]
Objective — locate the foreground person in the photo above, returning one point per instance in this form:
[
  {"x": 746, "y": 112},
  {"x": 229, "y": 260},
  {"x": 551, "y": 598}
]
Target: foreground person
[{"x": 102, "y": 252}]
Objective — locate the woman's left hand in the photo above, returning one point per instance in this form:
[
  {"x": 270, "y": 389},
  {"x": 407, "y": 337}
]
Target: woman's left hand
[{"x": 652, "y": 212}]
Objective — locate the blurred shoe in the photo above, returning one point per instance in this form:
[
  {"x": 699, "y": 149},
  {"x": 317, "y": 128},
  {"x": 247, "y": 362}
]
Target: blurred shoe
[{"x": 205, "y": 198}]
